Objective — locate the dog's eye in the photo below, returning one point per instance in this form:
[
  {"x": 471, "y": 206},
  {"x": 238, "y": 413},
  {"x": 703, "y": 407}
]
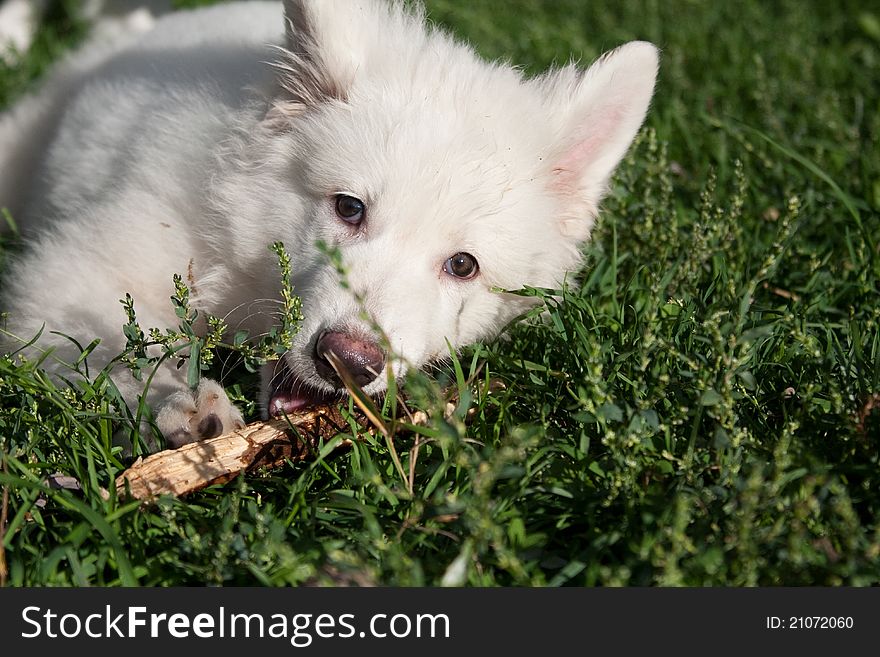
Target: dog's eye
[
  {"x": 350, "y": 209},
  {"x": 461, "y": 265}
]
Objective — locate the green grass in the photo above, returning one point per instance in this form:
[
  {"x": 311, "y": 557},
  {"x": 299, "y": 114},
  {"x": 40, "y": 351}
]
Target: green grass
[
  {"x": 60, "y": 30},
  {"x": 703, "y": 410}
]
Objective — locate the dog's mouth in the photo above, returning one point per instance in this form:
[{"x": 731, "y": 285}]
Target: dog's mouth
[{"x": 290, "y": 394}]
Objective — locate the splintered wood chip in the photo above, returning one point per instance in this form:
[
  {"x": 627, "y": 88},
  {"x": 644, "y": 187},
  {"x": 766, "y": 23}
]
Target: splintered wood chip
[{"x": 197, "y": 465}]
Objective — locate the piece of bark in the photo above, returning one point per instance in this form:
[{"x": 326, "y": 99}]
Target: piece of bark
[{"x": 197, "y": 465}]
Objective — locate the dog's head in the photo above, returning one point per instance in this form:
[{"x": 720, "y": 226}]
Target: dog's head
[{"x": 437, "y": 176}]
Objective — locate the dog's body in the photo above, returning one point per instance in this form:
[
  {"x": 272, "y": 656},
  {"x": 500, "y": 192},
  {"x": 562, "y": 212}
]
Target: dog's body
[{"x": 437, "y": 176}]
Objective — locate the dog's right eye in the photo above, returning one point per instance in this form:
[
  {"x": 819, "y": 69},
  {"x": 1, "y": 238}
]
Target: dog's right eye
[
  {"x": 350, "y": 209},
  {"x": 461, "y": 265}
]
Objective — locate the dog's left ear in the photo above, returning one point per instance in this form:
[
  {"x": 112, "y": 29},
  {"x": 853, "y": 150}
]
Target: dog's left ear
[{"x": 602, "y": 109}]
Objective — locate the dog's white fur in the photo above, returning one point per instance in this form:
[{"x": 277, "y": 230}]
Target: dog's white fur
[{"x": 180, "y": 151}]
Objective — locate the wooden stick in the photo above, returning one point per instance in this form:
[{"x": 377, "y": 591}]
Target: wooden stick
[
  {"x": 197, "y": 465},
  {"x": 260, "y": 444}
]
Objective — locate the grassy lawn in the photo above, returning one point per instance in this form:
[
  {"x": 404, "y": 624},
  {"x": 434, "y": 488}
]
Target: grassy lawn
[{"x": 703, "y": 410}]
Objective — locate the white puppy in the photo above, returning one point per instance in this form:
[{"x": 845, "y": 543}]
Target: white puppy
[{"x": 436, "y": 175}]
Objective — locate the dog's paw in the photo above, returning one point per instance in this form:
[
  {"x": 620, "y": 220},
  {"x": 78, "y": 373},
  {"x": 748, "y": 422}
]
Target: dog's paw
[{"x": 190, "y": 416}]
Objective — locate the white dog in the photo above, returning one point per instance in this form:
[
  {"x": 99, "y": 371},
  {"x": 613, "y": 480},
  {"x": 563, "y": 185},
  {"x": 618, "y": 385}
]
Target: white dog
[{"x": 436, "y": 175}]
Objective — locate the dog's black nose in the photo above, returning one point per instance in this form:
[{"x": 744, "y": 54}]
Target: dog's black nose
[{"x": 361, "y": 357}]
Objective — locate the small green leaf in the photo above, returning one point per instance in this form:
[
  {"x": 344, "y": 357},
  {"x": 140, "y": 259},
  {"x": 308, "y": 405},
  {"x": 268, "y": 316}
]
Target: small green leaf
[{"x": 610, "y": 412}]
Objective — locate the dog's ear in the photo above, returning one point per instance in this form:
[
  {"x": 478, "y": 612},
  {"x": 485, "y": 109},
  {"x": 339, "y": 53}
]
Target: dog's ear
[
  {"x": 327, "y": 44},
  {"x": 313, "y": 68},
  {"x": 599, "y": 111}
]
